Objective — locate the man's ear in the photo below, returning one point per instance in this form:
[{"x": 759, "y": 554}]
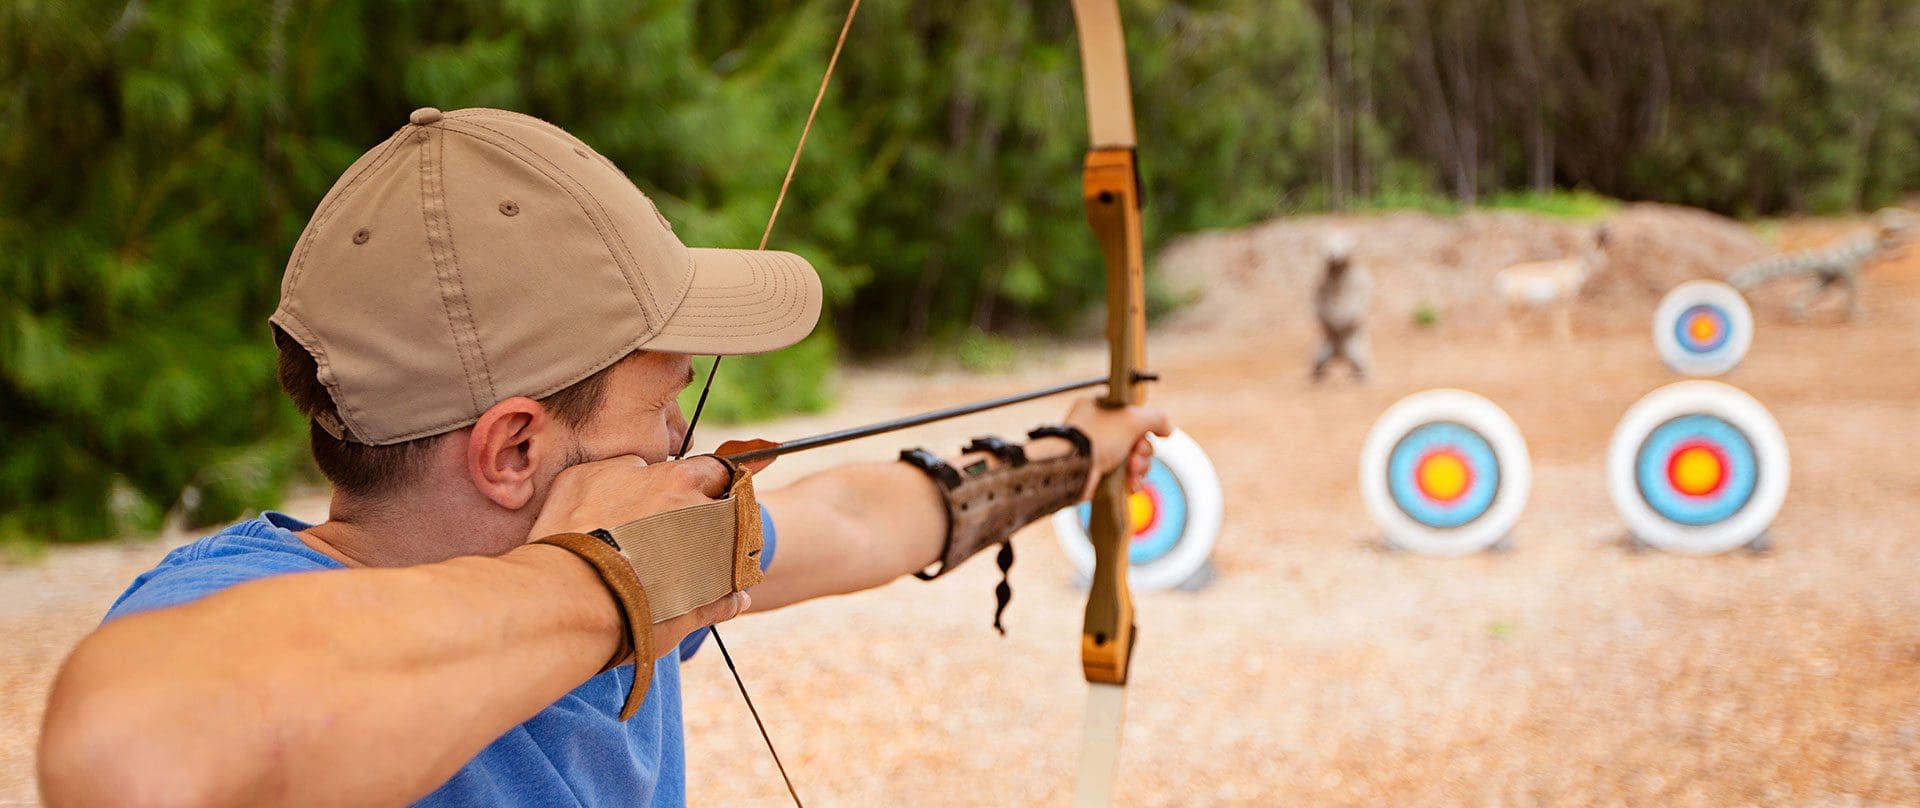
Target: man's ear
[{"x": 507, "y": 447}]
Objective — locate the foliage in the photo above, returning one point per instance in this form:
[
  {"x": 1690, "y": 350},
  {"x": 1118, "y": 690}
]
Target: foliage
[
  {"x": 160, "y": 159},
  {"x": 1560, "y": 203}
]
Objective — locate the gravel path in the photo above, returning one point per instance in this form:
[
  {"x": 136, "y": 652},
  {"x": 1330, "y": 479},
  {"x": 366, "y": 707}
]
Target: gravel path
[{"x": 1319, "y": 669}]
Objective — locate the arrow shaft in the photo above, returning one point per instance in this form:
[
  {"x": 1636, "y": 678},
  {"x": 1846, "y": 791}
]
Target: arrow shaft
[{"x": 928, "y": 417}]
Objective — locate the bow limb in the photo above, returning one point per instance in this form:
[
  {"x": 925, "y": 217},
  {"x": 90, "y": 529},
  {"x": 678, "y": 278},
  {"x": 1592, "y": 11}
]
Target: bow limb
[{"x": 1111, "y": 186}]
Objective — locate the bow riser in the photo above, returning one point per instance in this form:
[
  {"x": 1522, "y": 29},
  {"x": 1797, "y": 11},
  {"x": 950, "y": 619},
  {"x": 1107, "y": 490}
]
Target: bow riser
[{"x": 1113, "y": 211}]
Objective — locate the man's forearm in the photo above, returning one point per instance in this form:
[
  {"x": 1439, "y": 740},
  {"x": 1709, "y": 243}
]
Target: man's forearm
[
  {"x": 358, "y": 687},
  {"x": 859, "y": 526}
]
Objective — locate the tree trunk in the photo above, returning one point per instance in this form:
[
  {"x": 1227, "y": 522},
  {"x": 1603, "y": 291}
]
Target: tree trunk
[
  {"x": 1527, "y": 59},
  {"x": 1340, "y": 97}
]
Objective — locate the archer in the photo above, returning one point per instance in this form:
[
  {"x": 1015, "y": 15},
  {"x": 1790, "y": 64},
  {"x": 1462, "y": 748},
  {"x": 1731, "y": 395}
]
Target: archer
[{"x": 488, "y": 327}]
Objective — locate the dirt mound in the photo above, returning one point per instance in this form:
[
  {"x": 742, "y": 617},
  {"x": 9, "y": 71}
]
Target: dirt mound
[
  {"x": 1444, "y": 263},
  {"x": 1654, "y": 247}
]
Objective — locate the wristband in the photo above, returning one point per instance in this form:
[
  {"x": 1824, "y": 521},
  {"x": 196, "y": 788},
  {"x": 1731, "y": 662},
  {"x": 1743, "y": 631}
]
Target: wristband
[{"x": 636, "y": 636}]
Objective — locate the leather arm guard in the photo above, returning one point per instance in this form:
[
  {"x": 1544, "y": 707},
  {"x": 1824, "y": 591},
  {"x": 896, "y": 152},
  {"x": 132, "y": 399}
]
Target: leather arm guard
[
  {"x": 985, "y": 505},
  {"x": 662, "y": 566}
]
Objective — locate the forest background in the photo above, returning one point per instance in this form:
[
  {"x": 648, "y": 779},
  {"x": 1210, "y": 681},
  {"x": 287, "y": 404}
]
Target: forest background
[{"x": 158, "y": 159}]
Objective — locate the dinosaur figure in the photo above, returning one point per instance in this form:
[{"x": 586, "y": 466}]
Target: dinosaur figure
[{"x": 1836, "y": 264}]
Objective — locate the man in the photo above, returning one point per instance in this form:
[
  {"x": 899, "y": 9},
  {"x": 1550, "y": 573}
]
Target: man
[{"x": 489, "y": 326}]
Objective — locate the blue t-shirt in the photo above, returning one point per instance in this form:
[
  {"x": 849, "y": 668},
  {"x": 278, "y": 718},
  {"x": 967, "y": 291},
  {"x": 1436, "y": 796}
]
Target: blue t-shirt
[{"x": 574, "y": 752}]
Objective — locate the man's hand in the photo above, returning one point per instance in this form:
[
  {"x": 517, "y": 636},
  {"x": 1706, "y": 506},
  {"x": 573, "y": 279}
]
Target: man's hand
[
  {"x": 612, "y": 492},
  {"x": 1119, "y": 434}
]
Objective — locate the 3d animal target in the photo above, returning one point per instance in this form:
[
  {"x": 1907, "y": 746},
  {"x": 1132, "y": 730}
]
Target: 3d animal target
[
  {"x": 1697, "y": 467},
  {"x": 1445, "y": 472},
  {"x": 1175, "y": 519},
  {"x": 1702, "y": 328}
]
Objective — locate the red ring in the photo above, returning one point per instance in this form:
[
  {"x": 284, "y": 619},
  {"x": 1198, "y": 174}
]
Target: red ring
[{"x": 1719, "y": 456}]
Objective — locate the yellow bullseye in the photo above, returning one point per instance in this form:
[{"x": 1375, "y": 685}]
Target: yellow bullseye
[
  {"x": 1696, "y": 471},
  {"x": 1139, "y": 511},
  {"x": 1702, "y": 328},
  {"x": 1443, "y": 476}
]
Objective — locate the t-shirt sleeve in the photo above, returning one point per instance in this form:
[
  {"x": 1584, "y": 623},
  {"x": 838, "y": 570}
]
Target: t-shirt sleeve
[
  {"x": 174, "y": 584},
  {"x": 770, "y": 538}
]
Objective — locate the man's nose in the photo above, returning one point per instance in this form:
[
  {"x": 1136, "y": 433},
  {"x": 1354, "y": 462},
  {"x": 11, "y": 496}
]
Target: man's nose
[{"x": 677, "y": 426}]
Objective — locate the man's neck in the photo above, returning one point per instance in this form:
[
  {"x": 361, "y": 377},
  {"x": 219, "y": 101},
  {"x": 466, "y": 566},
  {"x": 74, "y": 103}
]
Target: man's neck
[{"x": 363, "y": 535}]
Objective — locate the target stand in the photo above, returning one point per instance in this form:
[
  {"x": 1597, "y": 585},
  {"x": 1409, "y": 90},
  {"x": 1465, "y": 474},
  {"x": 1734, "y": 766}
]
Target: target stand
[
  {"x": 1702, "y": 328},
  {"x": 1445, "y": 472},
  {"x": 1698, "y": 467},
  {"x": 1175, "y": 517}
]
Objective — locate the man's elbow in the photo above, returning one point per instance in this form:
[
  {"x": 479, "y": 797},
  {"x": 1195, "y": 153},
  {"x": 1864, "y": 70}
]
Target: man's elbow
[{"x": 103, "y": 741}]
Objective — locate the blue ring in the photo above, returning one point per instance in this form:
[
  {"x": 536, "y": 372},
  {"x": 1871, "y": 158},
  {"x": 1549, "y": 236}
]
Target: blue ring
[
  {"x": 1650, "y": 470},
  {"x": 1168, "y": 530},
  {"x": 1688, "y": 343},
  {"x": 1403, "y": 486}
]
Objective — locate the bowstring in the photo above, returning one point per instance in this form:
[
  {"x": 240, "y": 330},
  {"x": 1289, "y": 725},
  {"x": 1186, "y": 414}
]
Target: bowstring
[
  {"x": 779, "y": 199},
  {"x": 699, "y": 406}
]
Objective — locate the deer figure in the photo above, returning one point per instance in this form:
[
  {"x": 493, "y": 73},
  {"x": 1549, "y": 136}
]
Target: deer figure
[{"x": 1550, "y": 287}]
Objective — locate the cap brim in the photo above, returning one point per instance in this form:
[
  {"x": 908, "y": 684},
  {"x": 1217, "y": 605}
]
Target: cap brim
[{"x": 742, "y": 302}]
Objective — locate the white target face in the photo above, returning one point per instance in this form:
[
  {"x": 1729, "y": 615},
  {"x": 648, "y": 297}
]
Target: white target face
[
  {"x": 1445, "y": 472},
  {"x": 1697, "y": 467},
  {"x": 1702, "y": 328},
  {"x": 1175, "y": 517}
]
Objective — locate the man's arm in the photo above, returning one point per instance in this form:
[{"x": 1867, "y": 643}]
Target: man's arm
[
  {"x": 353, "y": 687},
  {"x": 858, "y": 526}
]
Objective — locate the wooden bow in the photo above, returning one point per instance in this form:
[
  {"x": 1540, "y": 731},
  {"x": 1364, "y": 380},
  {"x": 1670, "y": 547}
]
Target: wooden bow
[{"x": 1111, "y": 188}]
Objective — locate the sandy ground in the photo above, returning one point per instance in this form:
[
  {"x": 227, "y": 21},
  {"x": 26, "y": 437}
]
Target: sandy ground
[{"x": 1319, "y": 669}]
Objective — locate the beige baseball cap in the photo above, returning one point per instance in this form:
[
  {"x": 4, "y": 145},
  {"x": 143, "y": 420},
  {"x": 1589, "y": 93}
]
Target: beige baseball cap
[{"x": 482, "y": 254}]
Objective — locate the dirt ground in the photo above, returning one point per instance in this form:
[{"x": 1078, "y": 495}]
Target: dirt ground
[{"x": 1317, "y": 668}]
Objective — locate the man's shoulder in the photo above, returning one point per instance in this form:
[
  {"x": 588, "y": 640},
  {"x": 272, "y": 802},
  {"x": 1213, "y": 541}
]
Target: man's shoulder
[{"x": 249, "y": 550}]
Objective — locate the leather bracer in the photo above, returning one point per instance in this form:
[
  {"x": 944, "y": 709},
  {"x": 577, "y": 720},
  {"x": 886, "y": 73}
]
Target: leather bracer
[
  {"x": 662, "y": 566},
  {"x": 986, "y": 504}
]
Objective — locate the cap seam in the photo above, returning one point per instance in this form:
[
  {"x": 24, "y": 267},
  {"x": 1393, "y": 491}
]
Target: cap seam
[
  {"x": 617, "y": 233},
  {"x": 777, "y": 293},
  {"x": 330, "y": 206},
  {"x": 785, "y": 299},
  {"x": 510, "y": 115},
  {"x": 440, "y": 233},
  {"x": 628, "y": 271},
  {"x": 563, "y": 180},
  {"x": 459, "y": 278},
  {"x": 745, "y": 255},
  {"x": 664, "y": 315}
]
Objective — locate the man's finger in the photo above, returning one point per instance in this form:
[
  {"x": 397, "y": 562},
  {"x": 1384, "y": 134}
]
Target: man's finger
[
  {"x": 706, "y": 474},
  {"x": 1155, "y": 420}
]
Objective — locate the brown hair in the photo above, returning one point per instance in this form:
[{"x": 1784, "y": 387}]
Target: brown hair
[{"x": 358, "y": 468}]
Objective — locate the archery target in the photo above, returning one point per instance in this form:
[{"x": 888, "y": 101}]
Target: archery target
[
  {"x": 1175, "y": 517},
  {"x": 1697, "y": 467},
  {"x": 1702, "y": 328},
  {"x": 1445, "y": 472}
]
